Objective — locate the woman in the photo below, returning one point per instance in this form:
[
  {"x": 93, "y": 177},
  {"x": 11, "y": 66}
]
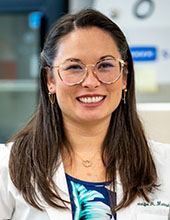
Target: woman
[{"x": 84, "y": 154}]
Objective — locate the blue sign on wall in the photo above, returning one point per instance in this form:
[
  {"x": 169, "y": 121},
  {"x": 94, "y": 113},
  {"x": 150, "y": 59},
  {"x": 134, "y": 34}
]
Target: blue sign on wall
[{"x": 141, "y": 54}]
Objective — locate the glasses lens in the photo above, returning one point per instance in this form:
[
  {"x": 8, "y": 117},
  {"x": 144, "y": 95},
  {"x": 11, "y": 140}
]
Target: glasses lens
[
  {"x": 72, "y": 71},
  {"x": 108, "y": 70}
]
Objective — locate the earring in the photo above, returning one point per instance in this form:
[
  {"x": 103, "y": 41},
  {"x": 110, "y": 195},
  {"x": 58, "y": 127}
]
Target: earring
[
  {"x": 124, "y": 96},
  {"x": 52, "y": 98}
]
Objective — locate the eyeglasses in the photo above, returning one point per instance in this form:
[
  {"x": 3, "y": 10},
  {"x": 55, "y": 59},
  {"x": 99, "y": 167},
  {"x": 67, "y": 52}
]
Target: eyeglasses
[{"x": 107, "y": 70}]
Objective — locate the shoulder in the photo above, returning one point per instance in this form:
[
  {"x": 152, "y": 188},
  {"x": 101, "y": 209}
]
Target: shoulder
[
  {"x": 161, "y": 157},
  {"x": 4, "y": 160},
  {"x": 6, "y": 198},
  {"x": 4, "y": 154},
  {"x": 160, "y": 151},
  {"x": 5, "y": 148},
  {"x": 4, "y": 163}
]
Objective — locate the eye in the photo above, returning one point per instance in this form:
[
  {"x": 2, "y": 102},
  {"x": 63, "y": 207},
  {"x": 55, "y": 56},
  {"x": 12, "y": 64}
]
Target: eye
[
  {"x": 105, "y": 66},
  {"x": 72, "y": 66}
]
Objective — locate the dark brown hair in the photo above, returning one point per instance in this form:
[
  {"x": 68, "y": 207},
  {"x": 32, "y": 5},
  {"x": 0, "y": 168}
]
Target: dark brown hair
[{"x": 35, "y": 153}]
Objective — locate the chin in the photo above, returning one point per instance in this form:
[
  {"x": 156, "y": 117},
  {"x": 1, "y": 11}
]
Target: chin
[{"x": 94, "y": 118}]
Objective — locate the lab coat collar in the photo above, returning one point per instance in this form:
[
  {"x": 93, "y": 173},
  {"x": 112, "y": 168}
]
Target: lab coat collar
[{"x": 60, "y": 180}]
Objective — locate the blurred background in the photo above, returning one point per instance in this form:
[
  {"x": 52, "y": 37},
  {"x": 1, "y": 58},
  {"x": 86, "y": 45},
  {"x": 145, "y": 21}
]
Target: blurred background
[{"x": 23, "y": 27}]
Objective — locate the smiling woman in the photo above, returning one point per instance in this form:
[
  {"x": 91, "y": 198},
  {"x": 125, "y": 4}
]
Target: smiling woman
[{"x": 84, "y": 154}]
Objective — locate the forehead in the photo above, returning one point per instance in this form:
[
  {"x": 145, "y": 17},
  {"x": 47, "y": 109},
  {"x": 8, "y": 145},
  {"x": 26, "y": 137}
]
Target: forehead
[{"x": 87, "y": 44}]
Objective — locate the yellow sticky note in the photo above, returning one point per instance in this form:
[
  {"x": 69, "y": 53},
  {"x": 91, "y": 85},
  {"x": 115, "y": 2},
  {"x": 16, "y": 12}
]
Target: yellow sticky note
[{"x": 146, "y": 80}]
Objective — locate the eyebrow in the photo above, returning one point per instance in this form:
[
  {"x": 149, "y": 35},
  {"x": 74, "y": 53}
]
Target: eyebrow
[
  {"x": 73, "y": 59},
  {"x": 103, "y": 57},
  {"x": 78, "y": 60}
]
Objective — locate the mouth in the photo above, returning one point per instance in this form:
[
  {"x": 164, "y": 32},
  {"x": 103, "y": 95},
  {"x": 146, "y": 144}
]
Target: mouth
[{"x": 91, "y": 99}]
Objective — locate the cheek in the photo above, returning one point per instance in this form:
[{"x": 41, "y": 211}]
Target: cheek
[
  {"x": 116, "y": 90},
  {"x": 64, "y": 95},
  {"x": 115, "y": 95},
  {"x": 60, "y": 95}
]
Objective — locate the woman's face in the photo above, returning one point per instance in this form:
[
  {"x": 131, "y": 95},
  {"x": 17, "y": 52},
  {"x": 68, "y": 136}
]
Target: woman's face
[{"x": 87, "y": 45}]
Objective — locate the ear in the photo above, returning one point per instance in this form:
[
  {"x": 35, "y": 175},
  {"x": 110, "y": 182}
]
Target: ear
[
  {"x": 125, "y": 76},
  {"x": 124, "y": 81},
  {"x": 50, "y": 81}
]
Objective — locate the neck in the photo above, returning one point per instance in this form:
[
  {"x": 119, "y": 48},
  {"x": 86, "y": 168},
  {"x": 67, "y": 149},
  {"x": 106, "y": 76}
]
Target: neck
[
  {"x": 86, "y": 137},
  {"x": 86, "y": 141}
]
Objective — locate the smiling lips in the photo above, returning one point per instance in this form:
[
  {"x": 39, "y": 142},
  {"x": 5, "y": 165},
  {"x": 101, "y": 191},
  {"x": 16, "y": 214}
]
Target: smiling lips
[{"x": 90, "y": 99}]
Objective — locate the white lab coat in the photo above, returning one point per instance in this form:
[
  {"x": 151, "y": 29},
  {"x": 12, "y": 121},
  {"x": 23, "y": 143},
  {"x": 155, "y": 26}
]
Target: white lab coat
[{"x": 14, "y": 207}]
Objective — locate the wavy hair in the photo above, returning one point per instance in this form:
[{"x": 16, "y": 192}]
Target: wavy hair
[{"x": 35, "y": 153}]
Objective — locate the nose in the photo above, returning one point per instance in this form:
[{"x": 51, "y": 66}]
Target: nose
[{"x": 90, "y": 80}]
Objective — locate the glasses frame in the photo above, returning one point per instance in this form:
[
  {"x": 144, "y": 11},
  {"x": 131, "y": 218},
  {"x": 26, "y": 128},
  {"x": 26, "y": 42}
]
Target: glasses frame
[{"x": 122, "y": 63}]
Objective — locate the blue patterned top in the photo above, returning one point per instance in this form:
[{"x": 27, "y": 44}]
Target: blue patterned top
[{"x": 89, "y": 200}]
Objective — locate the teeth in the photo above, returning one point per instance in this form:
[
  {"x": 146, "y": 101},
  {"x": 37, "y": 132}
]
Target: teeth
[{"x": 91, "y": 99}]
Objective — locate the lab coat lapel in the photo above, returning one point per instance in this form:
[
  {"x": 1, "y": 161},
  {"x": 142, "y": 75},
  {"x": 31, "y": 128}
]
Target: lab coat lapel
[
  {"x": 125, "y": 213},
  {"x": 61, "y": 183}
]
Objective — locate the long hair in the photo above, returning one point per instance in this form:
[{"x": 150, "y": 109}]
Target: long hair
[{"x": 36, "y": 150}]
